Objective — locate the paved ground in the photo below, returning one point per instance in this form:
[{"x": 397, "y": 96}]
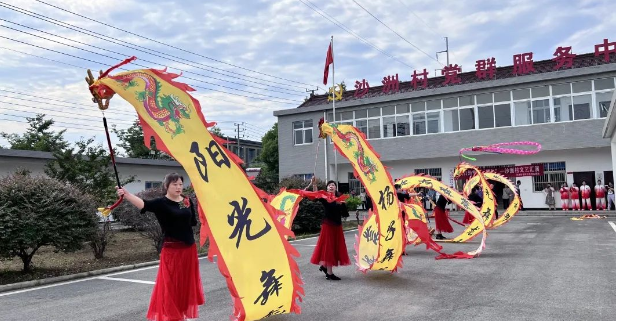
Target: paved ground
[{"x": 534, "y": 268}]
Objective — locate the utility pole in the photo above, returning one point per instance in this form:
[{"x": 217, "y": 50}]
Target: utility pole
[
  {"x": 238, "y": 140},
  {"x": 446, "y": 51}
]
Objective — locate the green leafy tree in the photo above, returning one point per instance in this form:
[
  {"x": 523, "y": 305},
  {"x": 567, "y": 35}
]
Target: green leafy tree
[
  {"x": 39, "y": 136},
  {"x": 132, "y": 141},
  {"x": 268, "y": 178},
  {"x": 215, "y": 130},
  {"x": 40, "y": 211}
]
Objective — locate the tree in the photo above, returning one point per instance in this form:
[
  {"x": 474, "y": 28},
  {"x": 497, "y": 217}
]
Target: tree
[
  {"x": 215, "y": 130},
  {"x": 132, "y": 141},
  {"x": 40, "y": 211},
  {"x": 268, "y": 178},
  {"x": 310, "y": 213},
  {"x": 38, "y": 136}
]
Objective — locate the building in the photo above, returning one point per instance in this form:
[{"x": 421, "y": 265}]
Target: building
[
  {"x": 247, "y": 150},
  {"x": 608, "y": 131},
  {"x": 422, "y": 130},
  {"x": 148, "y": 172}
]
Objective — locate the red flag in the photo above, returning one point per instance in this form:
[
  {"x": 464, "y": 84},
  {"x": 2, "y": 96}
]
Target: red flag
[{"x": 329, "y": 60}]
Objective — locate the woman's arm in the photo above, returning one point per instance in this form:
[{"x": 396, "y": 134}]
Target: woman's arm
[{"x": 136, "y": 201}]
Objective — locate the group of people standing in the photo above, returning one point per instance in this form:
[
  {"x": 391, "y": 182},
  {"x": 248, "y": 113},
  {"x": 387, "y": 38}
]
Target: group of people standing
[{"x": 579, "y": 198}]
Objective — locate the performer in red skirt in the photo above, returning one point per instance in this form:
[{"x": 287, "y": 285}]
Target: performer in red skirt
[
  {"x": 474, "y": 197},
  {"x": 177, "y": 292},
  {"x": 442, "y": 223},
  {"x": 331, "y": 249}
]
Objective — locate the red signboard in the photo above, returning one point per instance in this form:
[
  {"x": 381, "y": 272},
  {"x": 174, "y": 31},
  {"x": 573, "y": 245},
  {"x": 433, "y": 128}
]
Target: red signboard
[{"x": 510, "y": 171}]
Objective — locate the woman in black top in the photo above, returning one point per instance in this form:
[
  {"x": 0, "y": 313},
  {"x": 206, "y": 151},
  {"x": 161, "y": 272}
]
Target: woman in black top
[
  {"x": 178, "y": 290},
  {"x": 331, "y": 249}
]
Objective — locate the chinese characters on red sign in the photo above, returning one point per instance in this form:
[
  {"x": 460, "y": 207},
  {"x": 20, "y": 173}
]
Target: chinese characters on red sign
[
  {"x": 511, "y": 171},
  {"x": 486, "y": 69}
]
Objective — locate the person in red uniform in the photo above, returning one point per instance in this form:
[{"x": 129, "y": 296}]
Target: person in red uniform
[
  {"x": 574, "y": 196},
  {"x": 442, "y": 223},
  {"x": 585, "y": 195},
  {"x": 600, "y": 195},
  {"x": 564, "y": 191},
  {"x": 331, "y": 249},
  {"x": 177, "y": 292}
]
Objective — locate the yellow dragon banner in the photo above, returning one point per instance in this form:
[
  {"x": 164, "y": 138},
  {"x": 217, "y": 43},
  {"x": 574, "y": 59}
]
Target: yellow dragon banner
[
  {"x": 380, "y": 240},
  {"x": 240, "y": 226},
  {"x": 514, "y": 206}
]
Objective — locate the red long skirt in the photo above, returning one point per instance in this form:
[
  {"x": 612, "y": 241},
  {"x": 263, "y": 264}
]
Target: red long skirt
[
  {"x": 331, "y": 249},
  {"x": 442, "y": 224},
  {"x": 468, "y": 218},
  {"x": 178, "y": 292}
]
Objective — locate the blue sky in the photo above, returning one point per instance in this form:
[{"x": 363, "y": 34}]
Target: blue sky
[{"x": 285, "y": 39}]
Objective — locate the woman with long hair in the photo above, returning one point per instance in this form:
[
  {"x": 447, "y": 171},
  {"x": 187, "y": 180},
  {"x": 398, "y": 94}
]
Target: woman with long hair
[{"x": 178, "y": 292}]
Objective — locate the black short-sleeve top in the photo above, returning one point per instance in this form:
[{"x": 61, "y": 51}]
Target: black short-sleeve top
[{"x": 175, "y": 218}]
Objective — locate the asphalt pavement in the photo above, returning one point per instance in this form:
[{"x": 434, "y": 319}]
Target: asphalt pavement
[{"x": 533, "y": 268}]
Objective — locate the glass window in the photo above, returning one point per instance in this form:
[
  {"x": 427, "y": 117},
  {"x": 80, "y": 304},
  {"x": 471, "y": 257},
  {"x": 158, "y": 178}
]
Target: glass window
[
  {"x": 502, "y": 96},
  {"x": 450, "y": 120},
  {"x": 554, "y": 173},
  {"x": 581, "y": 86},
  {"x": 485, "y": 117},
  {"x": 402, "y": 125},
  {"x": 484, "y": 99},
  {"x": 303, "y": 132},
  {"x": 389, "y": 110},
  {"x": 541, "y": 111},
  {"x": 308, "y": 135},
  {"x": 402, "y": 109},
  {"x": 537, "y": 92},
  {"x": 561, "y": 89},
  {"x": 562, "y": 108},
  {"x": 298, "y": 137},
  {"x": 606, "y": 83},
  {"x": 360, "y": 114},
  {"x": 298, "y": 124},
  {"x": 374, "y": 131},
  {"x": 361, "y": 126},
  {"x": 502, "y": 115},
  {"x": 433, "y": 104},
  {"x": 467, "y": 117},
  {"x": 581, "y": 107},
  {"x": 389, "y": 126},
  {"x": 522, "y": 113},
  {"x": 308, "y": 123},
  {"x": 432, "y": 123},
  {"x": 419, "y": 124},
  {"x": 329, "y": 117},
  {"x": 374, "y": 112},
  {"x": 465, "y": 100},
  {"x": 520, "y": 94},
  {"x": 347, "y": 115},
  {"x": 603, "y": 102},
  {"x": 417, "y": 106},
  {"x": 450, "y": 102}
]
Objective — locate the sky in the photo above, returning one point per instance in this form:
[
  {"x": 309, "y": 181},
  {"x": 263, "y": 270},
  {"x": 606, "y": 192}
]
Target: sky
[{"x": 247, "y": 59}]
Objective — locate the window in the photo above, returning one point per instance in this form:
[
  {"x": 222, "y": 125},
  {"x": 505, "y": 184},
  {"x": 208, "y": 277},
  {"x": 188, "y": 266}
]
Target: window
[
  {"x": 522, "y": 112},
  {"x": 433, "y": 104},
  {"x": 389, "y": 110},
  {"x": 541, "y": 111},
  {"x": 418, "y": 106},
  {"x": 450, "y": 120},
  {"x": 554, "y": 173},
  {"x": 581, "y": 106},
  {"x": 374, "y": 112},
  {"x": 562, "y": 106},
  {"x": 502, "y": 96},
  {"x": 361, "y": 114},
  {"x": 153, "y": 184},
  {"x": 502, "y": 115},
  {"x": 467, "y": 118},
  {"x": 374, "y": 130},
  {"x": 432, "y": 123},
  {"x": 485, "y": 117},
  {"x": 520, "y": 94},
  {"x": 466, "y": 100},
  {"x": 603, "y": 102},
  {"x": 306, "y": 177},
  {"x": 402, "y": 125},
  {"x": 434, "y": 172},
  {"x": 346, "y": 115},
  {"x": 538, "y": 92},
  {"x": 251, "y": 154},
  {"x": 581, "y": 86},
  {"x": 601, "y": 84},
  {"x": 389, "y": 126},
  {"x": 450, "y": 102},
  {"x": 303, "y": 132},
  {"x": 561, "y": 89},
  {"x": 361, "y": 126},
  {"x": 484, "y": 99},
  {"x": 402, "y": 109},
  {"x": 419, "y": 124}
]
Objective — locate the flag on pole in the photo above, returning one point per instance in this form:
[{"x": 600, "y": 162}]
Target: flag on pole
[{"x": 329, "y": 60}]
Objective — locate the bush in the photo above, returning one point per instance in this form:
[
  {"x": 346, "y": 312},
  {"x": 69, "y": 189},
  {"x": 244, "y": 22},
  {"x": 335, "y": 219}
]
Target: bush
[
  {"x": 352, "y": 203},
  {"x": 310, "y": 213},
  {"x": 40, "y": 211}
]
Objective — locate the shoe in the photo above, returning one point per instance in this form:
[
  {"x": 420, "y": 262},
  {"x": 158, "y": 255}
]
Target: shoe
[
  {"x": 332, "y": 277},
  {"x": 440, "y": 237},
  {"x": 323, "y": 269}
]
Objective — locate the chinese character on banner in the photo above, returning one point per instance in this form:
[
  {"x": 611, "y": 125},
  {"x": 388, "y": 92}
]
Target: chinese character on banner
[
  {"x": 537, "y": 168},
  {"x": 485, "y": 68},
  {"x": 563, "y": 57},
  {"x": 451, "y": 73},
  {"x": 523, "y": 63},
  {"x": 361, "y": 88},
  {"x": 606, "y": 49},
  {"x": 415, "y": 79},
  {"x": 390, "y": 83}
]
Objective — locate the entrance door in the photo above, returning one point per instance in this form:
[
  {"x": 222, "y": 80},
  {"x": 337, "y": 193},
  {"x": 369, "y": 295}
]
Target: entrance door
[
  {"x": 589, "y": 178},
  {"x": 608, "y": 177}
]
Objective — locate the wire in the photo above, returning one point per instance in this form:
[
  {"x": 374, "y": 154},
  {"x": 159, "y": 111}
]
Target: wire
[
  {"x": 91, "y": 118},
  {"x": 340, "y": 25},
  {"x": 419, "y": 18},
  {"x": 63, "y": 106},
  {"x": 174, "y": 47},
  {"x": 396, "y": 33},
  {"x": 73, "y": 125}
]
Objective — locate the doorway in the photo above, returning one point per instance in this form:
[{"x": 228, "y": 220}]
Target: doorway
[{"x": 590, "y": 179}]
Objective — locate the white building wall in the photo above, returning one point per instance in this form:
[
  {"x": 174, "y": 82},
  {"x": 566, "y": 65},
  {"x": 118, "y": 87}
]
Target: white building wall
[{"x": 577, "y": 160}]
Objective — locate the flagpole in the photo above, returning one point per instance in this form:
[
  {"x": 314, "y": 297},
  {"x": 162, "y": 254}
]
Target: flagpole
[{"x": 334, "y": 111}]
